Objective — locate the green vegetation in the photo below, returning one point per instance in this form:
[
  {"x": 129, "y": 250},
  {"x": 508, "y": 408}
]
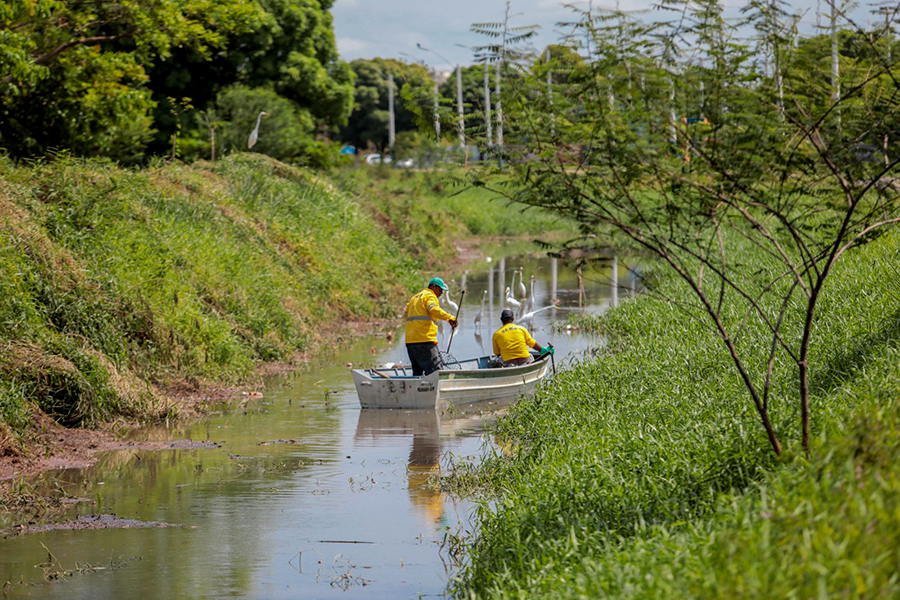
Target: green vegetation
[
  {"x": 113, "y": 281},
  {"x": 429, "y": 213},
  {"x": 116, "y": 78},
  {"x": 645, "y": 473}
]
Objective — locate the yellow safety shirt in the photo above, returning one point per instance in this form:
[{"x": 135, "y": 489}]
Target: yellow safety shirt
[
  {"x": 512, "y": 341},
  {"x": 422, "y": 315}
]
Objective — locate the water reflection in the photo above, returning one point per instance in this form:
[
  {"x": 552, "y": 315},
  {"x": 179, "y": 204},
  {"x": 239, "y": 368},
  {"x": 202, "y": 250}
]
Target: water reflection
[{"x": 424, "y": 427}]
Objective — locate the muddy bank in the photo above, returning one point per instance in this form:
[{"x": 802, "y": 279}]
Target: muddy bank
[{"x": 56, "y": 447}]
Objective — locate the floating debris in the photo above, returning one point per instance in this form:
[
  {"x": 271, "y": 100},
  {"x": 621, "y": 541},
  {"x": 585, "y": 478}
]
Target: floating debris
[{"x": 85, "y": 523}]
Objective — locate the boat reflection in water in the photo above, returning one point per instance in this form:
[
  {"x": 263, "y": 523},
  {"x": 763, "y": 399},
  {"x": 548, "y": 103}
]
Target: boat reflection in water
[{"x": 433, "y": 436}]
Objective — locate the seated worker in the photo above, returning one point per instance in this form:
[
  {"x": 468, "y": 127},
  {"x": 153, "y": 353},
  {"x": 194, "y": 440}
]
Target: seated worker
[
  {"x": 422, "y": 315},
  {"x": 511, "y": 342}
]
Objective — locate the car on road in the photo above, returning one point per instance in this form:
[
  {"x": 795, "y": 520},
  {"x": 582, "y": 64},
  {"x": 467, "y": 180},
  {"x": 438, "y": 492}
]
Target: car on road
[{"x": 375, "y": 158}]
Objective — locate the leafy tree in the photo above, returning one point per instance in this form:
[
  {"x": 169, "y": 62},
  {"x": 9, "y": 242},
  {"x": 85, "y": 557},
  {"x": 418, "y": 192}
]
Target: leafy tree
[
  {"x": 72, "y": 73},
  {"x": 292, "y": 52},
  {"x": 368, "y": 122}
]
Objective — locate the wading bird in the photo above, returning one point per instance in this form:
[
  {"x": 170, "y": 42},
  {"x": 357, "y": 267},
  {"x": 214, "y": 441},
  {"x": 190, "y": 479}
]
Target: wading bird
[
  {"x": 529, "y": 316},
  {"x": 450, "y": 304},
  {"x": 531, "y": 297},
  {"x": 254, "y": 135},
  {"x": 522, "y": 290},
  {"x": 512, "y": 303},
  {"x": 480, "y": 314}
]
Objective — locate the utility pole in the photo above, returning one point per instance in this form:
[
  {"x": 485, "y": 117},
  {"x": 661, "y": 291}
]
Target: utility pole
[
  {"x": 499, "y": 103},
  {"x": 459, "y": 107},
  {"x": 549, "y": 75},
  {"x": 437, "y": 116},
  {"x": 489, "y": 134},
  {"x": 392, "y": 127}
]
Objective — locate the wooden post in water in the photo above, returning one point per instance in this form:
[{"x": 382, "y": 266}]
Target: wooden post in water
[
  {"x": 614, "y": 282},
  {"x": 554, "y": 280},
  {"x": 580, "y": 287},
  {"x": 490, "y": 315},
  {"x": 501, "y": 278}
]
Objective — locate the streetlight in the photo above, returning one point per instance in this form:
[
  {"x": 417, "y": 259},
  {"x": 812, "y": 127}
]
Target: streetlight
[{"x": 459, "y": 98}]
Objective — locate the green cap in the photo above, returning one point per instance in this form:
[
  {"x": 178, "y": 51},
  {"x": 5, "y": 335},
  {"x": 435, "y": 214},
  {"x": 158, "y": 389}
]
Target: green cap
[{"x": 439, "y": 282}]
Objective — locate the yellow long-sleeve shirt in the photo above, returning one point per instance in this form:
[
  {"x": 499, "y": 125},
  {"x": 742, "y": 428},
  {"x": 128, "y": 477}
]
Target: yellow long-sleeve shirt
[
  {"x": 422, "y": 314},
  {"x": 512, "y": 341}
]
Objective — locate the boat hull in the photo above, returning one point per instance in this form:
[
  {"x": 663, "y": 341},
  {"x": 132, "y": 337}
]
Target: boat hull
[
  {"x": 405, "y": 393},
  {"x": 393, "y": 388}
]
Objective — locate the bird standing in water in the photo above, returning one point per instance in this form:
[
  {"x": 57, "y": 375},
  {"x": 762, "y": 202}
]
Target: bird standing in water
[
  {"x": 522, "y": 290},
  {"x": 451, "y": 305},
  {"x": 511, "y": 303},
  {"x": 480, "y": 314},
  {"x": 254, "y": 135},
  {"x": 530, "y": 304}
]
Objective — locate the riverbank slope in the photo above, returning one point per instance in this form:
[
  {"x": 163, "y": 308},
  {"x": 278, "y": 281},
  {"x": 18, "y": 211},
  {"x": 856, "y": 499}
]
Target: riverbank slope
[
  {"x": 121, "y": 289},
  {"x": 645, "y": 473}
]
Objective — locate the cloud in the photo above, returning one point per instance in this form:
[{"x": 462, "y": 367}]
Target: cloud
[{"x": 349, "y": 45}]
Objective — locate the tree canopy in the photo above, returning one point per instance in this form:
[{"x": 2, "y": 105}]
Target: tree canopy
[{"x": 94, "y": 77}]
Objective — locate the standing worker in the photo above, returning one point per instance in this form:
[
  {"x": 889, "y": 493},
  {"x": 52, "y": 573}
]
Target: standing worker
[
  {"x": 511, "y": 342},
  {"x": 422, "y": 314}
]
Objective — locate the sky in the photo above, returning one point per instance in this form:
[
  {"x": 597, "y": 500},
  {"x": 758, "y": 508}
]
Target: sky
[
  {"x": 392, "y": 28},
  {"x": 385, "y": 28}
]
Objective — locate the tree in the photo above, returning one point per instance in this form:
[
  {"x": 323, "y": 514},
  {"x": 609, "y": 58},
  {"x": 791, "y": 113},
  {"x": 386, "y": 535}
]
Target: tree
[
  {"x": 778, "y": 162},
  {"x": 368, "y": 123},
  {"x": 292, "y": 52},
  {"x": 73, "y": 72}
]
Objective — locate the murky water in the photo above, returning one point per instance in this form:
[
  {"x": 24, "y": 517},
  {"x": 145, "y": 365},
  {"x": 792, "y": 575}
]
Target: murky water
[{"x": 308, "y": 496}]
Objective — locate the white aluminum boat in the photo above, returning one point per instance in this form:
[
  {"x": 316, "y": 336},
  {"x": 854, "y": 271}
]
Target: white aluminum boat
[{"x": 474, "y": 382}]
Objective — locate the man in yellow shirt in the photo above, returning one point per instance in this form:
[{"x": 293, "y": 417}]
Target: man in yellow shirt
[
  {"x": 511, "y": 342},
  {"x": 422, "y": 315}
]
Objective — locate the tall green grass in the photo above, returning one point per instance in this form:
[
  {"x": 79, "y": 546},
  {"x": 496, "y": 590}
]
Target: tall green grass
[
  {"x": 434, "y": 210},
  {"x": 645, "y": 473},
  {"x": 112, "y": 280}
]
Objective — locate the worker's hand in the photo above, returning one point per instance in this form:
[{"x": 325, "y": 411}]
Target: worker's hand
[
  {"x": 548, "y": 350},
  {"x": 453, "y": 323}
]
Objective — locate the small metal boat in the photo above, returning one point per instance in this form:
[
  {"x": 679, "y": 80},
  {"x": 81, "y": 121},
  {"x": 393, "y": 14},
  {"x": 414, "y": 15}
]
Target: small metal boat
[{"x": 474, "y": 381}]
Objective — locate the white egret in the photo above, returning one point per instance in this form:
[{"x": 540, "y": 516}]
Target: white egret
[
  {"x": 254, "y": 135},
  {"x": 522, "y": 290},
  {"x": 480, "y": 314},
  {"x": 512, "y": 303},
  {"x": 452, "y": 306},
  {"x": 529, "y": 316},
  {"x": 531, "y": 297}
]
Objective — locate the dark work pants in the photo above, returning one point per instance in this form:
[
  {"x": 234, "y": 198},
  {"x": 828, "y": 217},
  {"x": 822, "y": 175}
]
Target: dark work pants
[{"x": 424, "y": 358}]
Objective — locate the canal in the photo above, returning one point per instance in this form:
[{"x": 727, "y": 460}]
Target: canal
[{"x": 300, "y": 493}]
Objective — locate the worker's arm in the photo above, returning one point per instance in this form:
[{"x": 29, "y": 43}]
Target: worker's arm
[
  {"x": 530, "y": 340},
  {"x": 496, "y": 346}
]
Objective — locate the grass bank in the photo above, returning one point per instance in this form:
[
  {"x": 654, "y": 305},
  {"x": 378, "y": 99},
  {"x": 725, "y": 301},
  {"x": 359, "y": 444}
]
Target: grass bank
[
  {"x": 430, "y": 213},
  {"x": 116, "y": 283},
  {"x": 646, "y": 474}
]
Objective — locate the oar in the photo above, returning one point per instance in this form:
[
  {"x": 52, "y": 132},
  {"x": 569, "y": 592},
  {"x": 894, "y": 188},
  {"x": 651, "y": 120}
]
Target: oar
[
  {"x": 458, "y": 308},
  {"x": 552, "y": 360}
]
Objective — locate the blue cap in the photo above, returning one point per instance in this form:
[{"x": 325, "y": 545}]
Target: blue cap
[{"x": 439, "y": 282}]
